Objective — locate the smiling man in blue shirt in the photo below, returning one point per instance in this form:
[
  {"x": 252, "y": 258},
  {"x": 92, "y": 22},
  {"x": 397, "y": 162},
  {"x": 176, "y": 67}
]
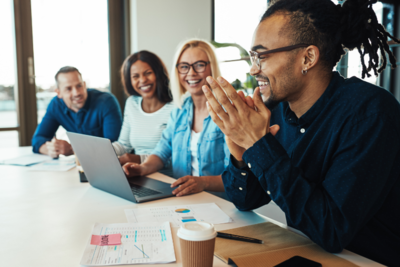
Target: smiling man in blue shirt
[
  {"x": 79, "y": 110},
  {"x": 331, "y": 160}
]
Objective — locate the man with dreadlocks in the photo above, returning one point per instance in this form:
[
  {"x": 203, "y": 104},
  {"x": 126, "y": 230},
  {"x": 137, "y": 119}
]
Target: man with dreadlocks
[{"x": 331, "y": 160}]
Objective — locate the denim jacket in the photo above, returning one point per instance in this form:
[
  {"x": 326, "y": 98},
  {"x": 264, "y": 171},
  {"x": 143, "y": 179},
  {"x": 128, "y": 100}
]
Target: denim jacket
[{"x": 213, "y": 153}]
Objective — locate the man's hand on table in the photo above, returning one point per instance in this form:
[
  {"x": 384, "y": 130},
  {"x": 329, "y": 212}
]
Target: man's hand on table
[{"x": 56, "y": 147}]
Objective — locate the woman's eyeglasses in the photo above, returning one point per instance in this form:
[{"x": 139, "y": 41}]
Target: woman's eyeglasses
[{"x": 198, "y": 67}]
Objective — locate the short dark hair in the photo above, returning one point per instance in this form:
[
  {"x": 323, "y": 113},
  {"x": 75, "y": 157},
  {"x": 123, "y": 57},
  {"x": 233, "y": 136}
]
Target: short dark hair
[
  {"x": 333, "y": 28},
  {"x": 66, "y": 69},
  {"x": 162, "y": 80}
]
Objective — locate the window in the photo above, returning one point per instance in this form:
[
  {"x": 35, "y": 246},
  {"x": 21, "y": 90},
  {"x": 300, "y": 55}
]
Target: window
[
  {"x": 8, "y": 107},
  {"x": 77, "y": 36},
  {"x": 46, "y": 35},
  {"x": 7, "y": 67},
  {"x": 235, "y": 22},
  {"x": 385, "y": 15}
]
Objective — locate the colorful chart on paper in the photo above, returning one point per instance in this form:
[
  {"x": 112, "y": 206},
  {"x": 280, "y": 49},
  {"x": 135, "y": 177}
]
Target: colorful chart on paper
[
  {"x": 177, "y": 215},
  {"x": 182, "y": 210}
]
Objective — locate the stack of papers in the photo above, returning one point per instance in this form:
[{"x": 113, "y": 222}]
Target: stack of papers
[
  {"x": 27, "y": 160},
  {"x": 39, "y": 162},
  {"x": 179, "y": 214},
  {"x": 141, "y": 243},
  {"x": 55, "y": 165}
]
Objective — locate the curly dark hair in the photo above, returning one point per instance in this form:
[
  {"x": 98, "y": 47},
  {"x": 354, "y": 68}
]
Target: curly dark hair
[
  {"x": 162, "y": 78},
  {"x": 334, "y": 28}
]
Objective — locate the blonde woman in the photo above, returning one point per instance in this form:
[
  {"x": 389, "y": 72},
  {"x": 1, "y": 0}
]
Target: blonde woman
[{"x": 191, "y": 140}]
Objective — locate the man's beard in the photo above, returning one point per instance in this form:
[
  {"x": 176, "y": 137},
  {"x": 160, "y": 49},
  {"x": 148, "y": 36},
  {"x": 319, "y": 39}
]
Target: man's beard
[{"x": 271, "y": 103}]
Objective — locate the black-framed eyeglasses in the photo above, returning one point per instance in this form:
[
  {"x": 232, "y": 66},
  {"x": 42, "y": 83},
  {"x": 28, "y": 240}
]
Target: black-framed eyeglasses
[
  {"x": 255, "y": 56},
  {"x": 198, "y": 66}
]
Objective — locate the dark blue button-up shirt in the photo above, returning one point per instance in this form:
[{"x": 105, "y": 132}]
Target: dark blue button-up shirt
[
  {"x": 335, "y": 171},
  {"x": 100, "y": 116}
]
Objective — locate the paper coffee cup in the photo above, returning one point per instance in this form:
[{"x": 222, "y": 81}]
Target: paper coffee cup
[{"x": 197, "y": 240}]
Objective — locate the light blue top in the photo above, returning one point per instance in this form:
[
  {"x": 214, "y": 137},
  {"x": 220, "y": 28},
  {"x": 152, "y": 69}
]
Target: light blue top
[{"x": 212, "y": 151}]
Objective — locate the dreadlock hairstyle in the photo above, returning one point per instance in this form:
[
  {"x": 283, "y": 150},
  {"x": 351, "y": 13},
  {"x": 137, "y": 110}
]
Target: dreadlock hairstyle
[{"x": 334, "y": 28}]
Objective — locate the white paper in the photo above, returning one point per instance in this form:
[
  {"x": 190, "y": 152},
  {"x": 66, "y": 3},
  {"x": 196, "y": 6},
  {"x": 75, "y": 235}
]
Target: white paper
[
  {"x": 141, "y": 243},
  {"x": 179, "y": 214},
  {"x": 55, "y": 165},
  {"x": 27, "y": 160}
]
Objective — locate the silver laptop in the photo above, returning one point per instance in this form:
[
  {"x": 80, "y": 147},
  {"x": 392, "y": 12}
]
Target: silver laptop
[{"x": 103, "y": 171}]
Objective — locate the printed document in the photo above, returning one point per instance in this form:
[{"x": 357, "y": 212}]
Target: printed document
[
  {"x": 27, "y": 160},
  {"x": 55, "y": 165},
  {"x": 141, "y": 243},
  {"x": 179, "y": 214}
]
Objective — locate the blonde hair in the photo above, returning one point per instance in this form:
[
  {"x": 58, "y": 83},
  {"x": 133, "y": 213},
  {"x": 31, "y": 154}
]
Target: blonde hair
[{"x": 178, "y": 91}]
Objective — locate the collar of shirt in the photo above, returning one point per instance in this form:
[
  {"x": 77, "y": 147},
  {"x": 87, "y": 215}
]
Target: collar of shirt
[
  {"x": 85, "y": 108},
  {"x": 315, "y": 110},
  {"x": 188, "y": 106}
]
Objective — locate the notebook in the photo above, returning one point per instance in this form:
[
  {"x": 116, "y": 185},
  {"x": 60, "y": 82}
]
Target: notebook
[{"x": 279, "y": 245}]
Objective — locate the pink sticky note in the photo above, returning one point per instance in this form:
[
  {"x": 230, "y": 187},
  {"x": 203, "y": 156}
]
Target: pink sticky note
[{"x": 106, "y": 240}]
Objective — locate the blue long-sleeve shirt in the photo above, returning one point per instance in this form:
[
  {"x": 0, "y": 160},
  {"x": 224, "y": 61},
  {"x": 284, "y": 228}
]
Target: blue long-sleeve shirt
[
  {"x": 335, "y": 171},
  {"x": 100, "y": 116}
]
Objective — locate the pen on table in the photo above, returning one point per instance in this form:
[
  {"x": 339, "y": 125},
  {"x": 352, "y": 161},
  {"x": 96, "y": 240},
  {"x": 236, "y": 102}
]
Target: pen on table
[{"x": 239, "y": 238}]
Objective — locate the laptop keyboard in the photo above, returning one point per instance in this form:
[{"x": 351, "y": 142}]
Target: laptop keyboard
[{"x": 141, "y": 191}]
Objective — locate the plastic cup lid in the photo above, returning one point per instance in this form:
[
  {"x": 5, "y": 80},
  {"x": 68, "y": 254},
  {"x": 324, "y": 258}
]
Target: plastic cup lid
[{"x": 197, "y": 231}]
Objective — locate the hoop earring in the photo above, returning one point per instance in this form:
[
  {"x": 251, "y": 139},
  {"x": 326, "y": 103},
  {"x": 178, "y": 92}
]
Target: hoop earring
[{"x": 304, "y": 72}]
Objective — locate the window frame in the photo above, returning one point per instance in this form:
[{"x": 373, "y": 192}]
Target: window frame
[{"x": 25, "y": 87}]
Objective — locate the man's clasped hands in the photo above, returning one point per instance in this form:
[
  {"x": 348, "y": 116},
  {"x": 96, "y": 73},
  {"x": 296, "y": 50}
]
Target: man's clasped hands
[{"x": 244, "y": 121}]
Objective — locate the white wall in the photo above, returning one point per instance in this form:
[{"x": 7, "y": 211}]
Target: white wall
[{"x": 160, "y": 25}]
